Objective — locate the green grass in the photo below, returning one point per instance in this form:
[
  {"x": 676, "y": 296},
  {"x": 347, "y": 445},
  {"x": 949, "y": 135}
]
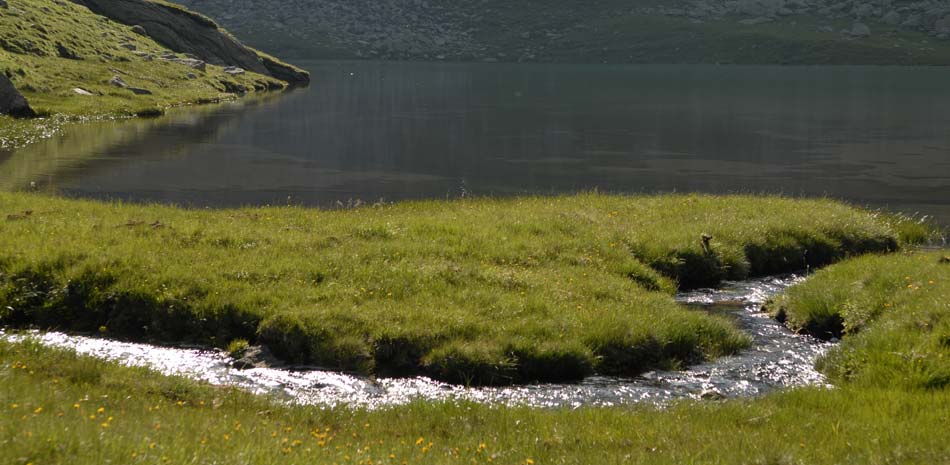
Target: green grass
[
  {"x": 90, "y": 411},
  {"x": 894, "y": 311},
  {"x": 482, "y": 291},
  {"x": 30, "y": 32}
]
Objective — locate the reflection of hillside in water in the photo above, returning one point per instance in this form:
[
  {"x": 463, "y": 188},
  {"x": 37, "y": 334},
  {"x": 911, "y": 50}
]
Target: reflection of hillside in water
[{"x": 90, "y": 148}]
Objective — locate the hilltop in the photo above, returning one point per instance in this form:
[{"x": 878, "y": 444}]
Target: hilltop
[
  {"x": 597, "y": 31},
  {"x": 109, "y": 58}
]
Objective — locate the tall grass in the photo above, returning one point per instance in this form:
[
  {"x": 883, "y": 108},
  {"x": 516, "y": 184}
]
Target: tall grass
[
  {"x": 57, "y": 408},
  {"x": 894, "y": 312},
  {"x": 482, "y": 291}
]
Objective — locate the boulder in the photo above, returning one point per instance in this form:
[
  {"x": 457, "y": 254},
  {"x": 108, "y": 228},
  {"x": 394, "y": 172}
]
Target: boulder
[
  {"x": 892, "y": 18},
  {"x": 233, "y": 70},
  {"x": 83, "y": 92},
  {"x": 187, "y": 32},
  {"x": 759, "y": 7},
  {"x": 65, "y": 52},
  {"x": 862, "y": 10},
  {"x": 754, "y": 21},
  {"x": 942, "y": 26},
  {"x": 860, "y": 30},
  {"x": 12, "y": 101},
  {"x": 139, "y": 30},
  {"x": 117, "y": 81},
  {"x": 189, "y": 62},
  {"x": 912, "y": 21}
]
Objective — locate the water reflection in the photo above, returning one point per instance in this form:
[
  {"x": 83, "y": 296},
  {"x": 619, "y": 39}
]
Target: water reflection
[{"x": 874, "y": 135}]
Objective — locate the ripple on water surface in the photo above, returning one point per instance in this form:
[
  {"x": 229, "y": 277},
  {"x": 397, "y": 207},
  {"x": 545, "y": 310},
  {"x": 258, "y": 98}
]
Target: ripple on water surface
[{"x": 777, "y": 358}]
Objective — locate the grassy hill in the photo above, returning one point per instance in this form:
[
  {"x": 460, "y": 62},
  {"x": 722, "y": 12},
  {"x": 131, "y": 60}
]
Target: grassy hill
[{"x": 72, "y": 63}]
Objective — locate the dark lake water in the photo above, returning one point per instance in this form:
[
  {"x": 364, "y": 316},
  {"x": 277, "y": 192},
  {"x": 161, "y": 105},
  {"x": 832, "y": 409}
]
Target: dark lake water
[{"x": 873, "y": 135}]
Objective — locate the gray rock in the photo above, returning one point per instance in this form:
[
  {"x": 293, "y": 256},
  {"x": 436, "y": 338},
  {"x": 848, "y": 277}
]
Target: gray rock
[
  {"x": 912, "y": 21},
  {"x": 754, "y": 21},
  {"x": 139, "y": 30},
  {"x": 65, "y": 52},
  {"x": 12, "y": 101},
  {"x": 128, "y": 46},
  {"x": 256, "y": 357},
  {"x": 860, "y": 30},
  {"x": 234, "y": 70},
  {"x": 759, "y": 7},
  {"x": 942, "y": 26},
  {"x": 892, "y": 18},
  {"x": 83, "y": 92},
  {"x": 144, "y": 55},
  {"x": 862, "y": 10},
  {"x": 192, "y": 63},
  {"x": 117, "y": 81}
]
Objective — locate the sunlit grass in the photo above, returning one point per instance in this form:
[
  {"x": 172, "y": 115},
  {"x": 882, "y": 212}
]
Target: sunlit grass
[
  {"x": 32, "y": 30},
  {"x": 56, "y": 408},
  {"x": 482, "y": 291},
  {"x": 895, "y": 311}
]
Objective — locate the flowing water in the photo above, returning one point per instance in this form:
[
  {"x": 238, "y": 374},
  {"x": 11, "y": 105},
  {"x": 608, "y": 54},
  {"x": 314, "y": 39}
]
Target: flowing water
[
  {"x": 369, "y": 130},
  {"x": 776, "y": 359}
]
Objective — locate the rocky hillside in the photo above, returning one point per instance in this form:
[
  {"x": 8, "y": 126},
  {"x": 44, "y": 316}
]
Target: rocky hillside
[
  {"x": 714, "y": 31},
  {"x": 113, "y": 57}
]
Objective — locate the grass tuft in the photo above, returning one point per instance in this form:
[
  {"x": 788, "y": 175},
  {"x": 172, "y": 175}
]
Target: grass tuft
[{"x": 475, "y": 291}]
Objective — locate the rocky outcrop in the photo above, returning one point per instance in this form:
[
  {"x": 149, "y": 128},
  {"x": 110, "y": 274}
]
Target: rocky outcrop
[
  {"x": 502, "y": 30},
  {"x": 11, "y": 101},
  {"x": 189, "y": 33}
]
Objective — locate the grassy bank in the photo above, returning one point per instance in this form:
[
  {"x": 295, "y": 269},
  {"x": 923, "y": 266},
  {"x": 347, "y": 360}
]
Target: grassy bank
[
  {"x": 894, "y": 312},
  {"x": 94, "y": 412},
  {"x": 473, "y": 291},
  {"x": 65, "y": 60}
]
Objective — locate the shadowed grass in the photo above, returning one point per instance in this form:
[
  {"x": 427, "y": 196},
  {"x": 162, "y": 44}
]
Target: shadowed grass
[
  {"x": 96, "y": 412},
  {"x": 894, "y": 312},
  {"x": 474, "y": 291}
]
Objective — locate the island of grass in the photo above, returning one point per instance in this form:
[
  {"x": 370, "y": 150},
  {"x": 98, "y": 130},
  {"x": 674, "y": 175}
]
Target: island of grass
[
  {"x": 475, "y": 291},
  {"x": 893, "y": 313},
  {"x": 74, "y": 64},
  {"x": 888, "y": 405}
]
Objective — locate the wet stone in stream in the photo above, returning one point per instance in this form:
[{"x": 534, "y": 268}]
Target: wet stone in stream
[{"x": 777, "y": 358}]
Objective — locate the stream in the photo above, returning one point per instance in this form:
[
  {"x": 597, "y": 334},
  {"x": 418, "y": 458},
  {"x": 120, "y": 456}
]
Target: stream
[{"x": 776, "y": 359}]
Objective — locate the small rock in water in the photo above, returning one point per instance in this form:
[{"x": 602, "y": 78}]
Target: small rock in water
[
  {"x": 256, "y": 357},
  {"x": 711, "y": 394}
]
